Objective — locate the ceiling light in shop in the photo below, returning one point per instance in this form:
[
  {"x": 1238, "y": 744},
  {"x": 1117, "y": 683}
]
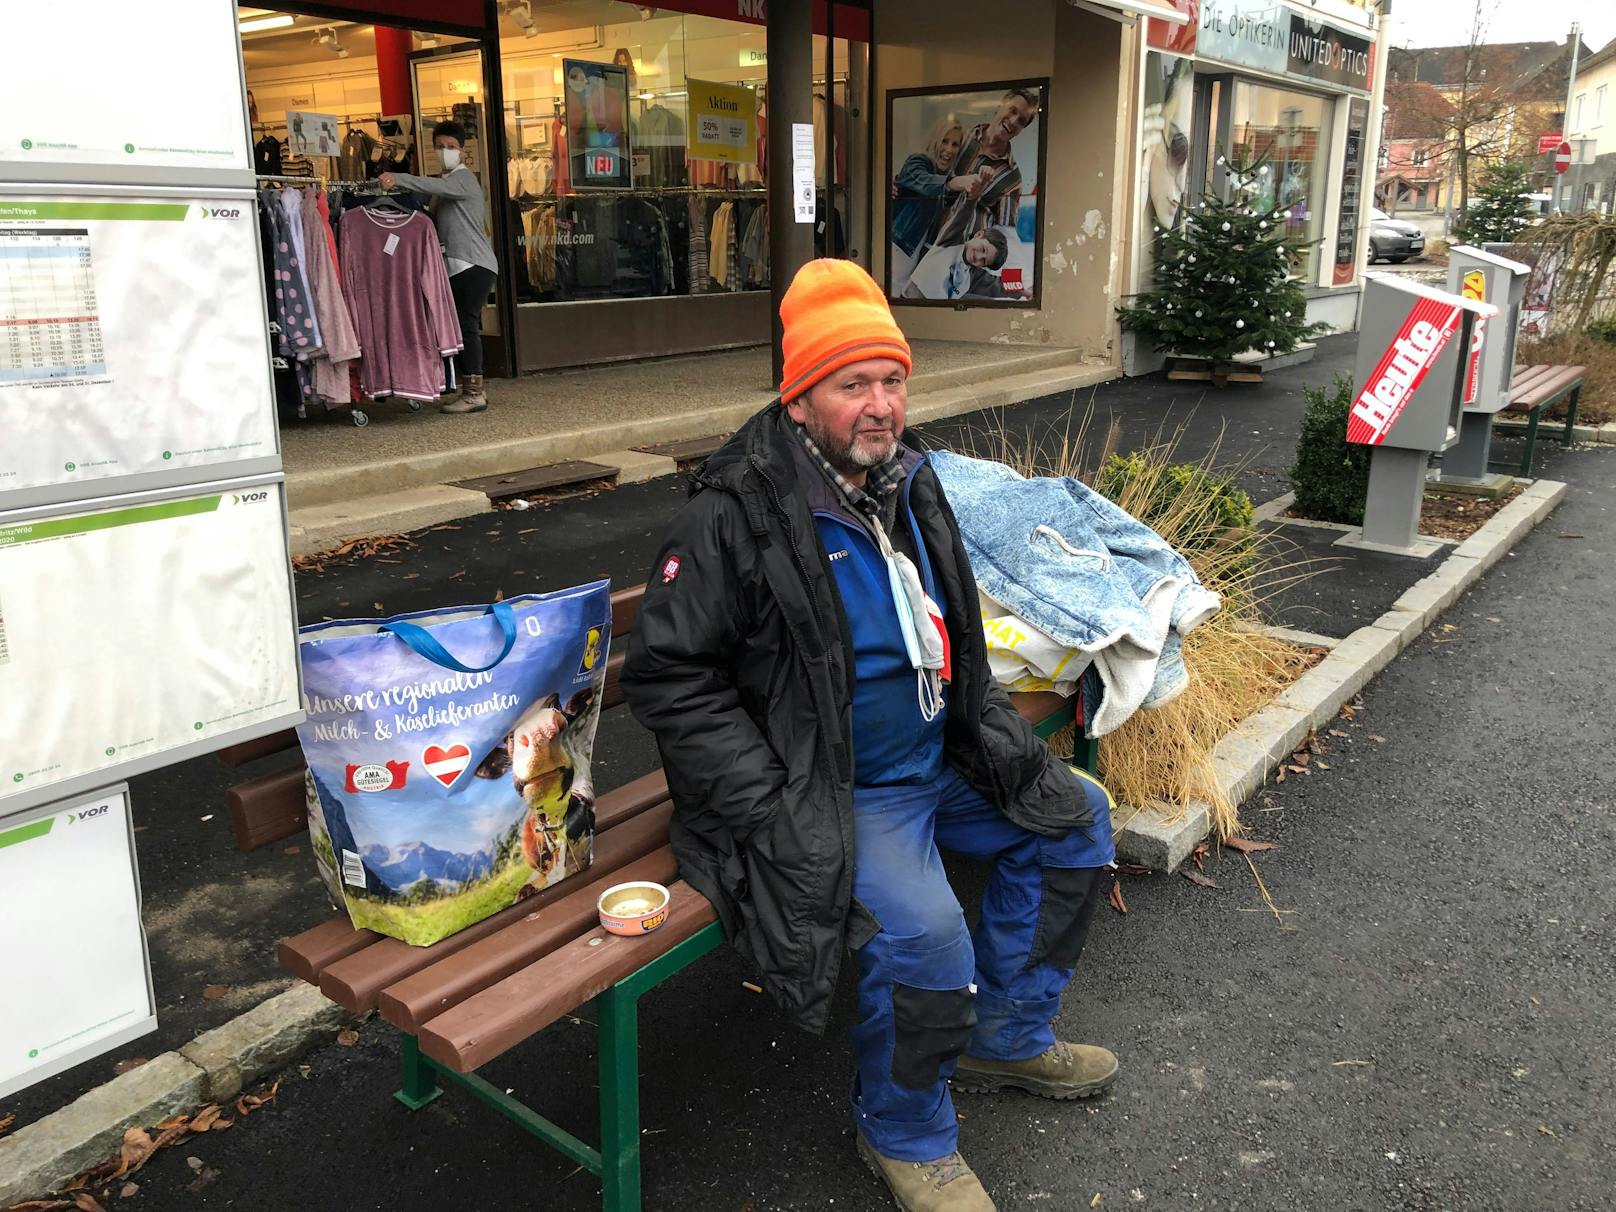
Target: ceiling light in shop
[{"x": 257, "y": 24}]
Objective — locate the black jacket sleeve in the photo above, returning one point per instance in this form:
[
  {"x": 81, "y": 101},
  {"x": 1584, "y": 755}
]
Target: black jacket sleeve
[{"x": 677, "y": 680}]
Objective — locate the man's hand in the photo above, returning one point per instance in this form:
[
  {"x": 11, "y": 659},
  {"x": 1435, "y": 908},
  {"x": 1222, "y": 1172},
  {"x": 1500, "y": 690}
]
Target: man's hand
[{"x": 388, "y": 181}]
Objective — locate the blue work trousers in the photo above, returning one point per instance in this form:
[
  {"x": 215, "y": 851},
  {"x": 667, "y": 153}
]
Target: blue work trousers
[{"x": 929, "y": 989}]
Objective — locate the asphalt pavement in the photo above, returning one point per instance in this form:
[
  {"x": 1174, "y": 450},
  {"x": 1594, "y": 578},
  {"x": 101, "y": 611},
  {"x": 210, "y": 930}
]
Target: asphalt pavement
[
  {"x": 1421, "y": 926},
  {"x": 1414, "y": 1016}
]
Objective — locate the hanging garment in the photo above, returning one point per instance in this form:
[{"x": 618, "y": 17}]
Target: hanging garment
[
  {"x": 282, "y": 364},
  {"x": 354, "y": 159},
  {"x": 539, "y": 227},
  {"x": 662, "y": 137},
  {"x": 393, "y": 274},
  {"x": 341, "y": 342},
  {"x": 754, "y": 249},
  {"x": 267, "y": 157},
  {"x": 1060, "y": 558},
  {"x": 718, "y": 262},
  {"x": 697, "y": 255},
  {"x": 294, "y": 312}
]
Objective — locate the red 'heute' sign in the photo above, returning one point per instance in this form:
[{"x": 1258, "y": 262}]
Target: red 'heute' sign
[{"x": 1401, "y": 370}]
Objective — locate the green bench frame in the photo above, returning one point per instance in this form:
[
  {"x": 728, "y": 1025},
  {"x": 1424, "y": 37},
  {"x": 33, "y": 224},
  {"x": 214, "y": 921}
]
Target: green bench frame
[{"x": 1534, "y": 416}]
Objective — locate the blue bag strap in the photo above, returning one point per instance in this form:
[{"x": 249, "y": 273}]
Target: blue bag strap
[{"x": 426, "y": 644}]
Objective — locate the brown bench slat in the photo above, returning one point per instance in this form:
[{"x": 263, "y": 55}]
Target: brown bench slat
[
  {"x": 306, "y": 955},
  {"x": 1523, "y": 376},
  {"x": 355, "y": 980},
  {"x": 505, "y": 1014},
  {"x": 626, "y": 609},
  {"x": 1036, "y": 706},
  {"x": 250, "y": 751},
  {"x": 1523, "y": 397},
  {"x": 611, "y": 694},
  {"x": 268, "y": 808},
  {"x": 425, "y": 994}
]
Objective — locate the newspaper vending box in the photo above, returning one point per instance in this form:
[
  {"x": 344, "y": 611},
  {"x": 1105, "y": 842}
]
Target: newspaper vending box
[{"x": 1486, "y": 278}]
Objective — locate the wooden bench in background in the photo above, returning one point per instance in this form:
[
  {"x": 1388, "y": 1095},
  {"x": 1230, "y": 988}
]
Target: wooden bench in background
[
  {"x": 473, "y": 996},
  {"x": 1533, "y": 390}
]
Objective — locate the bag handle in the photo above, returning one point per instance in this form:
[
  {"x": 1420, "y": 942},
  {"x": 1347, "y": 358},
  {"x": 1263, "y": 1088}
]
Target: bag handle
[{"x": 426, "y": 644}]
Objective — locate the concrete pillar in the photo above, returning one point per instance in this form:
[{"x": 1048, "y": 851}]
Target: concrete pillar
[
  {"x": 1396, "y": 489},
  {"x": 393, "y": 68},
  {"x": 790, "y": 34}
]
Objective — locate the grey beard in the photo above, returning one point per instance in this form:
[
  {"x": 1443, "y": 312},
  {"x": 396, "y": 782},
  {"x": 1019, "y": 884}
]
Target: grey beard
[{"x": 843, "y": 456}]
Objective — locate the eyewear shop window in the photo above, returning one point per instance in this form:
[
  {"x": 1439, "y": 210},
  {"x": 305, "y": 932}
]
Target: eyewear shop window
[
  {"x": 638, "y": 152},
  {"x": 1292, "y": 130}
]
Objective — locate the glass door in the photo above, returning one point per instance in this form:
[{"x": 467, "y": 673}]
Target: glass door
[{"x": 448, "y": 84}]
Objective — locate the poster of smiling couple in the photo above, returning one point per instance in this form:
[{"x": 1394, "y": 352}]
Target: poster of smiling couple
[{"x": 964, "y": 166}]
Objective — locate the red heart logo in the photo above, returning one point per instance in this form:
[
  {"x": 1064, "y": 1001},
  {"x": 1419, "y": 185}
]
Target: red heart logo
[{"x": 445, "y": 765}]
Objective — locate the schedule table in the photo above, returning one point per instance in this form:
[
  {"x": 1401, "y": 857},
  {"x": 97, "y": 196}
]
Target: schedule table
[{"x": 50, "y": 328}]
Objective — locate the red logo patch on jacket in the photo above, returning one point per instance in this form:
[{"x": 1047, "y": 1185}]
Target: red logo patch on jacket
[{"x": 670, "y": 569}]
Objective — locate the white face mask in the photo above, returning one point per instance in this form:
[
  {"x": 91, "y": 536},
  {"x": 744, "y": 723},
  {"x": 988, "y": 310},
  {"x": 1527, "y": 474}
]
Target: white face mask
[{"x": 450, "y": 157}]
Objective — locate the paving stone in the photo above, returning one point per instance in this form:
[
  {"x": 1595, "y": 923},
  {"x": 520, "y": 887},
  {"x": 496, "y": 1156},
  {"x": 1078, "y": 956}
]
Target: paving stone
[{"x": 264, "y": 1039}]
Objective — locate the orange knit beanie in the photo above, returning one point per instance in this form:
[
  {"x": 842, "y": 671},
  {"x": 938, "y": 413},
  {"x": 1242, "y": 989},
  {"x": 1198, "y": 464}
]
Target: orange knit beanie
[{"x": 834, "y": 315}]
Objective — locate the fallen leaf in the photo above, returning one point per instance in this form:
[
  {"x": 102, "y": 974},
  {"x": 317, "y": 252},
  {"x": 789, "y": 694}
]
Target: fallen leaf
[
  {"x": 248, "y": 1103},
  {"x": 499, "y": 595},
  {"x": 1338, "y": 732},
  {"x": 214, "y": 992},
  {"x": 40, "y": 1205},
  {"x": 171, "y": 1134},
  {"x": 207, "y": 818},
  {"x": 128, "y": 1063},
  {"x": 529, "y": 530},
  {"x": 1279, "y": 777},
  {"x": 1117, "y": 903},
  {"x": 1322, "y": 765},
  {"x": 128, "y": 1190},
  {"x": 1494, "y": 619},
  {"x": 347, "y": 1037},
  {"x": 1348, "y": 711},
  {"x": 1338, "y": 1064},
  {"x": 137, "y": 1147},
  {"x": 219, "y": 1125},
  {"x": 376, "y": 606},
  {"x": 293, "y": 850},
  {"x": 1535, "y": 1001},
  {"x": 1449, "y": 628},
  {"x": 1294, "y": 769},
  {"x": 173, "y": 1121},
  {"x": 1095, "y": 1202},
  {"x": 203, "y": 1119},
  {"x": 1247, "y": 846},
  {"x": 194, "y": 1162},
  {"x": 1301, "y": 758},
  {"x": 1379, "y": 740},
  {"x": 5, "y": 1123},
  {"x": 86, "y": 1202},
  {"x": 1195, "y": 877},
  {"x": 1199, "y": 855},
  {"x": 205, "y": 1176},
  {"x": 1133, "y": 869},
  {"x": 1545, "y": 1129}
]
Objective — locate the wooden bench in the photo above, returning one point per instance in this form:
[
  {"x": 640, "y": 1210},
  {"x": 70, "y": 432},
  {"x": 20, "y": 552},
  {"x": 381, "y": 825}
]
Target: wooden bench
[
  {"x": 467, "y": 999},
  {"x": 1534, "y": 390}
]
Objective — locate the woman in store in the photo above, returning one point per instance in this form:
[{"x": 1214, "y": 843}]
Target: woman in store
[
  {"x": 920, "y": 191},
  {"x": 457, "y": 209}
]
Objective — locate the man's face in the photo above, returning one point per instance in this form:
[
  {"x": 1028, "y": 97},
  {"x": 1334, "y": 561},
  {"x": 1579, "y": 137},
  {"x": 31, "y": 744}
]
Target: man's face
[
  {"x": 1012, "y": 118},
  {"x": 979, "y": 251},
  {"x": 855, "y": 416}
]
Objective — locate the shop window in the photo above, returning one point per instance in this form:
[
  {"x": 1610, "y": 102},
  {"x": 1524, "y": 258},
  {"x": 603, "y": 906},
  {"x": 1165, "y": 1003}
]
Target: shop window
[
  {"x": 664, "y": 221},
  {"x": 1290, "y": 132}
]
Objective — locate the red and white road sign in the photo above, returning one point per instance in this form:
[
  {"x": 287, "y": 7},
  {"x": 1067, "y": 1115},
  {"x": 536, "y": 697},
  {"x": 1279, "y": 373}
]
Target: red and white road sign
[
  {"x": 1401, "y": 370},
  {"x": 1547, "y": 143},
  {"x": 1562, "y": 157}
]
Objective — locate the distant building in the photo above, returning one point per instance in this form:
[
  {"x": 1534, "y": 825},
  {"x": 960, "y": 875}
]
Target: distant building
[{"x": 1591, "y": 128}]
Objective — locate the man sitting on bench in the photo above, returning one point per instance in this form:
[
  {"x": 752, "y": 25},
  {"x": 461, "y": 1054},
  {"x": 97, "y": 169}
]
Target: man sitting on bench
[{"x": 822, "y": 737}]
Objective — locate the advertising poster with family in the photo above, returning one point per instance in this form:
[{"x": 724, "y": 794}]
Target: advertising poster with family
[{"x": 964, "y": 166}]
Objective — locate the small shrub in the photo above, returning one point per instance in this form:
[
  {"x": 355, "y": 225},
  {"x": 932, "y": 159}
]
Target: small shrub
[
  {"x": 1331, "y": 476},
  {"x": 1201, "y": 510},
  {"x": 1603, "y": 330}
]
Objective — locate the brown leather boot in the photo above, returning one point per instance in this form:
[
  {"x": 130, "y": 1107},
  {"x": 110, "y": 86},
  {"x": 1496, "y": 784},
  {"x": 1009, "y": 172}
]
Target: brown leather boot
[
  {"x": 1064, "y": 1071},
  {"x": 944, "y": 1185},
  {"x": 471, "y": 398}
]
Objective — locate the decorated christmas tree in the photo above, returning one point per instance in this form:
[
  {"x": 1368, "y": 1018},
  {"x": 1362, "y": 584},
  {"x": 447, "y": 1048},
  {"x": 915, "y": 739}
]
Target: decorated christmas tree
[{"x": 1223, "y": 281}]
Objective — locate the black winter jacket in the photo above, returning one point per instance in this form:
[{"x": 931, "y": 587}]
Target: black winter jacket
[{"x": 742, "y": 666}]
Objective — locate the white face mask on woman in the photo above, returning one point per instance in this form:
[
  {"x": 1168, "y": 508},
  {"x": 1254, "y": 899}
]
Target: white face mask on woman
[{"x": 450, "y": 157}]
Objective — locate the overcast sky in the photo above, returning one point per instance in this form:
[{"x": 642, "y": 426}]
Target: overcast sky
[{"x": 1447, "y": 22}]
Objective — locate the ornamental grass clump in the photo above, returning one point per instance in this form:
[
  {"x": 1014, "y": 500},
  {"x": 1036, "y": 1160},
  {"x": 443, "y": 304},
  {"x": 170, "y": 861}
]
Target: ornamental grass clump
[{"x": 1162, "y": 758}]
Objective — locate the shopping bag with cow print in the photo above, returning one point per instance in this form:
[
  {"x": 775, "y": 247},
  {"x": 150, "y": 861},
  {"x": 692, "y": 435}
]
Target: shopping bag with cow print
[{"x": 448, "y": 756}]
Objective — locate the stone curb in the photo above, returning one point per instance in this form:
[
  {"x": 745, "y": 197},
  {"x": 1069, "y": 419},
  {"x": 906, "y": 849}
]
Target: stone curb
[
  {"x": 330, "y": 507},
  {"x": 1244, "y": 758},
  {"x": 213, "y": 1067}
]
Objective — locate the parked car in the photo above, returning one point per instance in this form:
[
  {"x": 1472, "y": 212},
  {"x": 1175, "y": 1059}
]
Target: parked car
[{"x": 1394, "y": 240}]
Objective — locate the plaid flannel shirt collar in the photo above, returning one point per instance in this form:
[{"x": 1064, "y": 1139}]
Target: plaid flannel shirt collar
[{"x": 880, "y": 484}]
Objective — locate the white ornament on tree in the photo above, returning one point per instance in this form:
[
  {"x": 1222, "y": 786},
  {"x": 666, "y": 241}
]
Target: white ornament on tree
[{"x": 1239, "y": 323}]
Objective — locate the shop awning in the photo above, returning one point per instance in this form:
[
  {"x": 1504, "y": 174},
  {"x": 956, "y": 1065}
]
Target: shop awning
[{"x": 1131, "y": 10}]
